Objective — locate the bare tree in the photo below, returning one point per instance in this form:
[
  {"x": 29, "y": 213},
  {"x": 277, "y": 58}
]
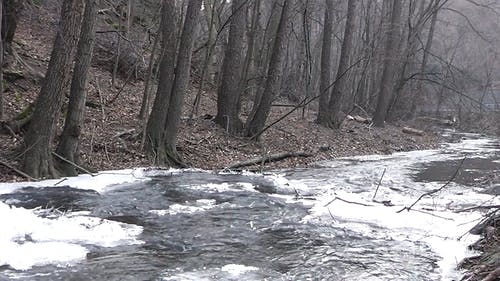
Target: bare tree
[
  {"x": 11, "y": 12},
  {"x": 326, "y": 67},
  {"x": 165, "y": 152},
  {"x": 340, "y": 86},
  {"x": 256, "y": 122},
  {"x": 391, "y": 53},
  {"x": 210, "y": 48},
  {"x": 38, "y": 161},
  {"x": 155, "y": 129},
  {"x": 181, "y": 82},
  {"x": 1, "y": 63},
  {"x": 229, "y": 90},
  {"x": 418, "y": 96},
  {"x": 70, "y": 139}
]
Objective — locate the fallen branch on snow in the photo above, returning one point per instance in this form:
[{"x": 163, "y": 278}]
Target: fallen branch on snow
[
  {"x": 412, "y": 131},
  {"x": 347, "y": 201},
  {"x": 483, "y": 207},
  {"x": 268, "y": 158}
]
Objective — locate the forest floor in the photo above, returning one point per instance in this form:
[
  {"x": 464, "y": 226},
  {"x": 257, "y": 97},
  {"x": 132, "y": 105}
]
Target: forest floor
[{"x": 112, "y": 136}]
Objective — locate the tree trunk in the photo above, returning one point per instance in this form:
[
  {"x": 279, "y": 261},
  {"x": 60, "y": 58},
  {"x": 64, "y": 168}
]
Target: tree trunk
[
  {"x": 308, "y": 60},
  {"x": 69, "y": 145},
  {"x": 156, "y": 122},
  {"x": 265, "y": 47},
  {"x": 337, "y": 98},
  {"x": 181, "y": 84},
  {"x": 1, "y": 64},
  {"x": 326, "y": 65},
  {"x": 11, "y": 11},
  {"x": 146, "y": 95},
  {"x": 38, "y": 139},
  {"x": 256, "y": 123},
  {"x": 210, "y": 47},
  {"x": 418, "y": 98},
  {"x": 390, "y": 59},
  {"x": 232, "y": 66},
  {"x": 249, "y": 63}
]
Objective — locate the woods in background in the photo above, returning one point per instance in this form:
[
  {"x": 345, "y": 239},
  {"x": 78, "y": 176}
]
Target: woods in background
[{"x": 391, "y": 60}]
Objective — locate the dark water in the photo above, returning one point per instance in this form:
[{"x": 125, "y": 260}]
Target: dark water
[{"x": 198, "y": 226}]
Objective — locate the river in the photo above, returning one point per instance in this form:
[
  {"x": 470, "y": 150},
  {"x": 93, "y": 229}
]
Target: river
[{"x": 339, "y": 220}]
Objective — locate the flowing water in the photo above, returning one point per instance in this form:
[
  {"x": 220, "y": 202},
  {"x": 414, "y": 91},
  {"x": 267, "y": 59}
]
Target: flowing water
[{"x": 337, "y": 221}]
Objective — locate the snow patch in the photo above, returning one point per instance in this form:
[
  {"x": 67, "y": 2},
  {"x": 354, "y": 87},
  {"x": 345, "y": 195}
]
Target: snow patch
[
  {"x": 28, "y": 240},
  {"x": 100, "y": 182}
]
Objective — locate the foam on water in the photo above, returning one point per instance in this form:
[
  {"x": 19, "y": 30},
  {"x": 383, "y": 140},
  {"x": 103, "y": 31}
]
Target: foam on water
[
  {"x": 198, "y": 206},
  {"x": 226, "y": 272}
]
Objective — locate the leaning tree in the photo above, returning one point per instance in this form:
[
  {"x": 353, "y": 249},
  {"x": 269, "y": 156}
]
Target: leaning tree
[{"x": 38, "y": 161}]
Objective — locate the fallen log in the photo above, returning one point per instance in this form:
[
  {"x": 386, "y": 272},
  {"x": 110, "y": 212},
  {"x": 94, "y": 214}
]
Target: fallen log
[
  {"x": 412, "y": 131},
  {"x": 268, "y": 158},
  {"x": 359, "y": 119}
]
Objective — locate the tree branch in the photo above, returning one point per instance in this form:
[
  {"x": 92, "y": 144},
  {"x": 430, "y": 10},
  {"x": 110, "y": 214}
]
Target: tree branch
[{"x": 436, "y": 190}]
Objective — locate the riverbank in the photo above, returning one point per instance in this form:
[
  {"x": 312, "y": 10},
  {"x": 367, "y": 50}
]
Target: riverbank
[{"x": 111, "y": 136}]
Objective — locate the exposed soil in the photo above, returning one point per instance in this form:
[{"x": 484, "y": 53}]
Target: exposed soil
[{"x": 485, "y": 266}]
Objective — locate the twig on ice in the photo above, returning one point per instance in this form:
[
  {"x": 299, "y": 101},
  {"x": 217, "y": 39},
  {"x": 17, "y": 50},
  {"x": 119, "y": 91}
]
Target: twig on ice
[
  {"x": 482, "y": 207},
  {"x": 347, "y": 201},
  {"x": 378, "y": 185},
  {"x": 436, "y": 190}
]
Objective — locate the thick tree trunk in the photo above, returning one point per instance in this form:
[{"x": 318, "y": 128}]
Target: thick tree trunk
[
  {"x": 11, "y": 12},
  {"x": 38, "y": 139},
  {"x": 1, "y": 64},
  {"x": 69, "y": 144},
  {"x": 232, "y": 66},
  {"x": 326, "y": 65},
  {"x": 339, "y": 89},
  {"x": 390, "y": 57},
  {"x": 181, "y": 83},
  {"x": 256, "y": 123},
  {"x": 155, "y": 129}
]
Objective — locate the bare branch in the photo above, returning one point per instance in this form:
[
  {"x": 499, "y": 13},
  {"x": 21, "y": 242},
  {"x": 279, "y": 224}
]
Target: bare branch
[{"x": 436, "y": 190}]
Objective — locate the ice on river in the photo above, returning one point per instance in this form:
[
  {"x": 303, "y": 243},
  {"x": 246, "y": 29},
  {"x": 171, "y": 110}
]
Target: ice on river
[
  {"x": 40, "y": 237},
  {"x": 36, "y": 237}
]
